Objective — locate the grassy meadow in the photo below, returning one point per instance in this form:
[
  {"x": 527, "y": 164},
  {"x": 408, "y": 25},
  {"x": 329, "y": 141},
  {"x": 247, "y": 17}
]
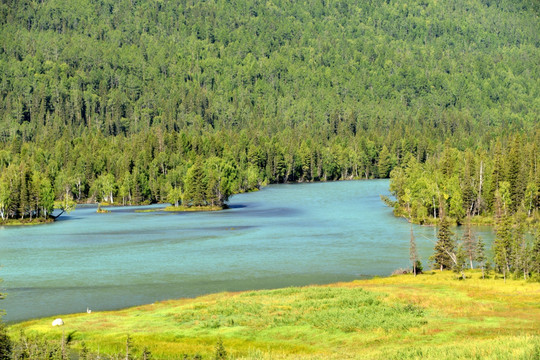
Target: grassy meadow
[{"x": 431, "y": 316}]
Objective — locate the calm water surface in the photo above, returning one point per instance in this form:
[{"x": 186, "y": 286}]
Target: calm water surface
[{"x": 283, "y": 235}]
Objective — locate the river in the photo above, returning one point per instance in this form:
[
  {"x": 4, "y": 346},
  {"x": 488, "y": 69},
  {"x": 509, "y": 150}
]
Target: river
[{"x": 283, "y": 235}]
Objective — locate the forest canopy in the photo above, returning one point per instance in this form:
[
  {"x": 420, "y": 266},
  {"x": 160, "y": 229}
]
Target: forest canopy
[{"x": 130, "y": 101}]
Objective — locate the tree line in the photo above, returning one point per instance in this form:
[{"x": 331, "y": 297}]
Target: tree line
[
  {"x": 183, "y": 168},
  {"x": 131, "y": 102},
  {"x": 471, "y": 183},
  {"x": 515, "y": 251},
  {"x": 497, "y": 186}
]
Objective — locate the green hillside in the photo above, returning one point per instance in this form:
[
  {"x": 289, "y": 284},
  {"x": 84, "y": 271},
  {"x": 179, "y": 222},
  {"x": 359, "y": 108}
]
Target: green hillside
[{"x": 115, "y": 101}]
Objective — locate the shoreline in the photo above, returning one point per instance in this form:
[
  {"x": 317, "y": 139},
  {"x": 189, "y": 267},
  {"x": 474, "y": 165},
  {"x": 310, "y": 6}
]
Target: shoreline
[
  {"x": 26, "y": 222},
  {"x": 382, "y": 317},
  {"x": 363, "y": 278}
]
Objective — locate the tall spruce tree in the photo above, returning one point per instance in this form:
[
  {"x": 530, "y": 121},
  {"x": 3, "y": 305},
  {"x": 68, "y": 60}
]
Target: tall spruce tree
[
  {"x": 502, "y": 246},
  {"x": 459, "y": 259},
  {"x": 195, "y": 186},
  {"x": 444, "y": 247},
  {"x": 535, "y": 253},
  {"x": 470, "y": 242},
  {"x": 385, "y": 163},
  {"x": 480, "y": 255}
]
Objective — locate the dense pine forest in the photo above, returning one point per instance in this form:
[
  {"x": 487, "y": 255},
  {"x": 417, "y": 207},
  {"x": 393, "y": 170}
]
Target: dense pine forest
[{"x": 188, "y": 102}]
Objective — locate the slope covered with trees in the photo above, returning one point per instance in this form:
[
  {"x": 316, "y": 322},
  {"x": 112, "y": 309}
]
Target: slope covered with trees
[{"x": 134, "y": 101}]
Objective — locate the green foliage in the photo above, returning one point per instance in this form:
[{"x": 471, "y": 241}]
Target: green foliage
[
  {"x": 444, "y": 247},
  {"x": 469, "y": 183},
  {"x": 116, "y": 100},
  {"x": 385, "y": 164},
  {"x": 146, "y": 354},
  {"x": 413, "y": 254},
  {"x": 221, "y": 353},
  {"x": 378, "y": 318},
  {"x": 419, "y": 267},
  {"x": 480, "y": 255},
  {"x": 5, "y": 343},
  {"x": 460, "y": 261},
  {"x": 38, "y": 348},
  {"x": 196, "y": 186}
]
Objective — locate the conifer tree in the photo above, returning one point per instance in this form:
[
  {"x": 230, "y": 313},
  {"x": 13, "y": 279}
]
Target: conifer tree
[
  {"x": 520, "y": 247},
  {"x": 221, "y": 353},
  {"x": 535, "y": 253},
  {"x": 444, "y": 247},
  {"x": 195, "y": 186},
  {"x": 413, "y": 253},
  {"x": 514, "y": 173},
  {"x": 470, "y": 242},
  {"x": 146, "y": 354},
  {"x": 502, "y": 246},
  {"x": 459, "y": 259},
  {"x": 480, "y": 255},
  {"x": 385, "y": 163}
]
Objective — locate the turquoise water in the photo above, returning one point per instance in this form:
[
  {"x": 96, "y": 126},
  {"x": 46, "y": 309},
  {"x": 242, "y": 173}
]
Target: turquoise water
[{"x": 283, "y": 235}]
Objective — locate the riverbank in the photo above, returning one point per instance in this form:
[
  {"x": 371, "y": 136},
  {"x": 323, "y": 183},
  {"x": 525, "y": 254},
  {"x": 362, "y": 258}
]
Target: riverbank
[
  {"x": 183, "y": 209},
  {"x": 477, "y": 220},
  {"x": 26, "y": 222},
  {"x": 428, "y": 316}
]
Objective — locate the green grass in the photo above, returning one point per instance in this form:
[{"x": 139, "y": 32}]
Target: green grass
[
  {"x": 431, "y": 316},
  {"x": 26, "y": 222},
  {"x": 149, "y": 210},
  {"x": 193, "y": 208},
  {"x": 181, "y": 209}
]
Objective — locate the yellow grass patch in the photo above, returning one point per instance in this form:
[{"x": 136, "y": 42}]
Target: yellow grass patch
[{"x": 429, "y": 316}]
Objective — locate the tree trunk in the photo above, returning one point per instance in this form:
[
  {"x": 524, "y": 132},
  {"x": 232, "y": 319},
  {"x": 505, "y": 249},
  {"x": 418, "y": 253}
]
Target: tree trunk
[{"x": 477, "y": 205}]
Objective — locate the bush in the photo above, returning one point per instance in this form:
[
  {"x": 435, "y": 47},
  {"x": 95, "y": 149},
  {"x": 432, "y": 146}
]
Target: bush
[{"x": 5, "y": 344}]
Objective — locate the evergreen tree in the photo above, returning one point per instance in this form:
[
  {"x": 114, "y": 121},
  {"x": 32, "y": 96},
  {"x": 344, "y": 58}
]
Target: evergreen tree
[
  {"x": 444, "y": 247},
  {"x": 195, "y": 186},
  {"x": 459, "y": 261},
  {"x": 514, "y": 173},
  {"x": 413, "y": 253},
  {"x": 470, "y": 242},
  {"x": 146, "y": 354},
  {"x": 520, "y": 252},
  {"x": 502, "y": 246},
  {"x": 385, "y": 163},
  {"x": 480, "y": 255},
  {"x": 535, "y": 254},
  {"x": 221, "y": 353}
]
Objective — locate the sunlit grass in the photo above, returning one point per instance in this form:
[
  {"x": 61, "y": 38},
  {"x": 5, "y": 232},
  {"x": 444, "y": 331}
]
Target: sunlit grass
[{"x": 429, "y": 316}]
